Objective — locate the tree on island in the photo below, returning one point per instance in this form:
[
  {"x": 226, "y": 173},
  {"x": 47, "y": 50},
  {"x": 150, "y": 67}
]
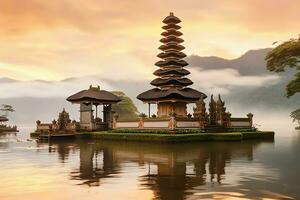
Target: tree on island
[
  {"x": 7, "y": 109},
  {"x": 287, "y": 55},
  {"x": 126, "y": 109},
  {"x": 296, "y": 116}
]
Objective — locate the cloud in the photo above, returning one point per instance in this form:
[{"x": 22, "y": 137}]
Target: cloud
[
  {"x": 209, "y": 81},
  {"x": 100, "y": 15},
  {"x": 56, "y": 39},
  {"x": 49, "y": 89},
  {"x": 86, "y": 15}
]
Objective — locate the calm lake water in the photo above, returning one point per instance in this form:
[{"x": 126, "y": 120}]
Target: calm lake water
[{"x": 126, "y": 170}]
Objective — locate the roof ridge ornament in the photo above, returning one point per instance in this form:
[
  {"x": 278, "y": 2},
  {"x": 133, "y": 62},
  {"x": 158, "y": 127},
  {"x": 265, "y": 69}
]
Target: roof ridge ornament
[{"x": 94, "y": 88}]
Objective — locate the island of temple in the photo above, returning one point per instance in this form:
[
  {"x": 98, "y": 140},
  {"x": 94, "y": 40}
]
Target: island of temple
[
  {"x": 88, "y": 101},
  {"x": 171, "y": 95},
  {"x": 6, "y": 128},
  {"x": 93, "y": 97}
]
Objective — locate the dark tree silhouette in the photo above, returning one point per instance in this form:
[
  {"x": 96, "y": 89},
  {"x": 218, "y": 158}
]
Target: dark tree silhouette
[
  {"x": 283, "y": 56},
  {"x": 296, "y": 115}
]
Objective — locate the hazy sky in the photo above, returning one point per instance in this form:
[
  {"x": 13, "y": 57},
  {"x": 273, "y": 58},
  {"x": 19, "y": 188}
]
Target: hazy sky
[{"x": 53, "y": 40}]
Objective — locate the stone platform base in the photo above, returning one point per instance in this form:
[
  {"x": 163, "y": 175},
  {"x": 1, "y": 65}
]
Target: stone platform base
[{"x": 184, "y": 137}]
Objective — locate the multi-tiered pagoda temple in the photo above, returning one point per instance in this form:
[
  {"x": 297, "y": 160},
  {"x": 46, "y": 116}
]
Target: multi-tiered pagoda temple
[{"x": 171, "y": 93}]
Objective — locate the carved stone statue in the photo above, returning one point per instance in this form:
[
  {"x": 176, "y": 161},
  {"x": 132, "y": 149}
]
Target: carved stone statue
[
  {"x": 63, "y": 120},
  {"x": 221, "y": 111},
  {"x": 212, "y": 111},
  {"x": 200, "y": 113}
]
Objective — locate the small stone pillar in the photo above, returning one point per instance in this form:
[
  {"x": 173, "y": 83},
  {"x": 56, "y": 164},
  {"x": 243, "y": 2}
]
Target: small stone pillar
[
  {"x": 172, "y": 123},
  {"x": 38, "y": 123},
  {"x": 73, "y": 125},
  {"x": 142, "y": 119},
  {"x": 228, "y": 120},
  {"x": 202, "y": 123},
  {"x": 54, "y": 125},
  {"x": 212, "y": 111},
  {"x": 141, "y": 122},
  {"x": 250, "y": 117},
  {"x": 115, "y": 119}
]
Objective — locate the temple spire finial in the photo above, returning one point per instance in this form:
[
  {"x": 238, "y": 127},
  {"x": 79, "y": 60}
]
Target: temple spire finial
[{"x": 171, "y": 14}]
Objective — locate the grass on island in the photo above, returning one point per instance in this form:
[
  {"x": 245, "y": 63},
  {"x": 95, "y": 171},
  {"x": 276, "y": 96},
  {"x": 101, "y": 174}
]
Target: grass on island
[
  {"x": 166, "y": 136},
  {"x": 178, "y": 135}
]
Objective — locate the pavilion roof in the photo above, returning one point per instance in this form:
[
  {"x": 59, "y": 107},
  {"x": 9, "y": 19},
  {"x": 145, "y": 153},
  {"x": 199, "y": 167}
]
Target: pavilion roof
[
  {"x": 171, "y": 54},
  {"x": 171, "y": 46},
  {"x": 171, "y": 32},
  {"x": 161, "y": 72},
  {"x": 157, "y": 94},
  {"x": 173, "y": 62},
  {"x": 171, "y": 81},
  {"x": 94, "y": 95},
  {"x": 171, "y": 27},
  {"x": 3, "y": 119}
]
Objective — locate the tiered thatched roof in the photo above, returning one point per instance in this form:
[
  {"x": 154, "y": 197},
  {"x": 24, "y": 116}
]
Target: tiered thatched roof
[
  {"x": 95, "y": 95},
  {"x": 171, "y": 82}
]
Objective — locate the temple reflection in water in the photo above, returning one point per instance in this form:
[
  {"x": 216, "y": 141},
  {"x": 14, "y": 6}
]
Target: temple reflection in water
[{"x": 170, "y": 170}]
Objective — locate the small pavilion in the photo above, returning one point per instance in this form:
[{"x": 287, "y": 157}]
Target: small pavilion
[
  {"x": 3, "y": 119},
  {"x": 92, "y": 98}
]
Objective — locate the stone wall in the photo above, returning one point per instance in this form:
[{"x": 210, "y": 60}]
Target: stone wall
[
  {"x": 53, "y": 127},
  {"x": 62, "y": 125},
  {"x": 174, "y": 122}
]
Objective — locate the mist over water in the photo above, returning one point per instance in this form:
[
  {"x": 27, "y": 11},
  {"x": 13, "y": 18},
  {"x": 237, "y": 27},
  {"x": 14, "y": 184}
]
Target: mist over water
[
  {"x": 128, "y": 170},
  {"x": 29, "y": 110}
]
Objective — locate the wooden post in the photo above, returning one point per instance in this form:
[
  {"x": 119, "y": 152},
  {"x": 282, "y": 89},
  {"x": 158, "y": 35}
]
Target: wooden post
[
  {"x": 92, "y": 117},
  {"x": 109, "y": 116},
  {"x": 96, "y": 111},
  {"x": 104, "y": 114},
  {"x": 149, "y": 109}
]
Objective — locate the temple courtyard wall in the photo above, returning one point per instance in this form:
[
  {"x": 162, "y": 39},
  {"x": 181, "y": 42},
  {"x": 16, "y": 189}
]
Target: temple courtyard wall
[{"x": 173, "y": 123}]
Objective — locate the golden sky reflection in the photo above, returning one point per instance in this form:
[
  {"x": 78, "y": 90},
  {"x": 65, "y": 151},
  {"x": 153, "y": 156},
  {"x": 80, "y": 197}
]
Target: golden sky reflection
[{"x": 33, "y": 182}]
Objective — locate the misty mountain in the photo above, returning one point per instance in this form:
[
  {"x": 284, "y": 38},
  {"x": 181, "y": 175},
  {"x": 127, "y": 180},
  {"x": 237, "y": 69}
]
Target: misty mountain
[
  {"x": 251, "y": 63},
  {"x": 43, "y": 100},
  {"x": 7, "y": 80}
]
